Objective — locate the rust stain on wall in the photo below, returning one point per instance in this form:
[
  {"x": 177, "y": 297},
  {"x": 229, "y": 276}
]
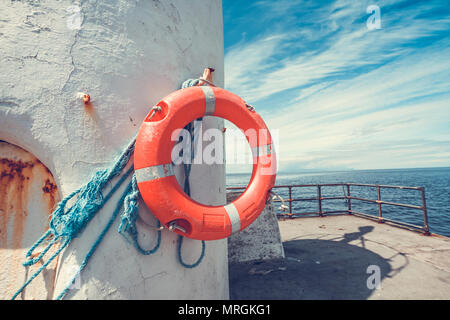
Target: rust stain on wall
[
  {"x": 15, "y": 177},
  {"x": 51, "y": 191},
  {"x": 28, "y": 196}
]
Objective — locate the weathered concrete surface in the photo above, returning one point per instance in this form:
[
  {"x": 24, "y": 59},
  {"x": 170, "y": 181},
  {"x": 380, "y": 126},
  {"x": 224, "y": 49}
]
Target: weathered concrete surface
[
  {"x": 127, "y": 55},
  {"x": 328, "y": 258},
  {"x": 28, "y": 195},
  {"x": 260, "y": 241}
]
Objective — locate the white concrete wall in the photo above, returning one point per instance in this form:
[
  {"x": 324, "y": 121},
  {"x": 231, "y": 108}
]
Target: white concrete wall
[{"x": 127, "y": 55}]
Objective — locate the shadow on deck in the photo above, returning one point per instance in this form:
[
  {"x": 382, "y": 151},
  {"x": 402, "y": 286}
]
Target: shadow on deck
[
  {"x": 328, "y": 258},
  {"x": 312, "y": 269}
]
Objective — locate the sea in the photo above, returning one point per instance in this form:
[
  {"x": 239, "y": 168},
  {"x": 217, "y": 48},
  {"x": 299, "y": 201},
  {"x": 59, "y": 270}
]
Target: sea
[{"x": 436, "y": 182}]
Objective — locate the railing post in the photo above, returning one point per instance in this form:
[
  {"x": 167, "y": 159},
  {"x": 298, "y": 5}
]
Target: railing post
[
  {"x": 349, "y": 200},
  {"x": 425, "y": 214},
  {"x": 290, "y": 201},
  {"x": 319, "y": 197},
  {"x": 380, "y": 216}
]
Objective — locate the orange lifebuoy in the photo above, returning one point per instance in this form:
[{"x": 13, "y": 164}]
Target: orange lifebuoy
[{"x": 154, "y": 169}]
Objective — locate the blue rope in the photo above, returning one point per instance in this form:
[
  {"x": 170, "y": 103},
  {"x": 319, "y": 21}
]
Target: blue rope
[
  {"x": 130, "y": 214},
  {"x": 187, "y": 166},
  {"x": 65, "y": 239},
  {"x": 180, "y": 259},
  {"x": 40, "y": 269},
  {"x": 190, "y": 83},
  {"x": 67, "y": 224},
  {"x": 129, "y": 217},
  {"x": 102, "y": 234},
  {"x": 187, "y": 189}
]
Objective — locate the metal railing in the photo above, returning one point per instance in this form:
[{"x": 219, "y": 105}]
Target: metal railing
[{"x": 348, "y": 197}]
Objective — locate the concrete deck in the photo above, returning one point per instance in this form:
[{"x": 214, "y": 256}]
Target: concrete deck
[{"x": 328, "y": 258}]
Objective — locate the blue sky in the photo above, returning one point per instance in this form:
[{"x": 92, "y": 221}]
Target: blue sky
[{"x": 341, "y": 95}]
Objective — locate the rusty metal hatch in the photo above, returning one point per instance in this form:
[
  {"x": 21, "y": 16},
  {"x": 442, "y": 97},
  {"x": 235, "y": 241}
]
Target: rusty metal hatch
[{"x": 28, "y": 195}]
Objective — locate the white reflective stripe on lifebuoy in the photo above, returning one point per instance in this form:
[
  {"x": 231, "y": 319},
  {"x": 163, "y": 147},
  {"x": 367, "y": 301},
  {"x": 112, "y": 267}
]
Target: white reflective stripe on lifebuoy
[
  {"x": 235, "y": 219},
  {"x": 210, "y": 100},
  {"x": 154, "y": 172},
  {"x": 262, "y": 150}
]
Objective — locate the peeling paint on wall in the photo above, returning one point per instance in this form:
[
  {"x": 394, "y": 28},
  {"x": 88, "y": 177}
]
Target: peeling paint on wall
[{"x": 28, "y": 195}]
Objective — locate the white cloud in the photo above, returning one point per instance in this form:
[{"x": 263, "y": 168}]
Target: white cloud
[
  {"x": 249, "y": 72},
  {"x": 391, "y": 112}
]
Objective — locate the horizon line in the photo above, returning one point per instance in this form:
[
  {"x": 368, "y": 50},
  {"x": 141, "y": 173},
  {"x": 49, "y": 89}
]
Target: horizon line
[{"x": 340, "y": 170}]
